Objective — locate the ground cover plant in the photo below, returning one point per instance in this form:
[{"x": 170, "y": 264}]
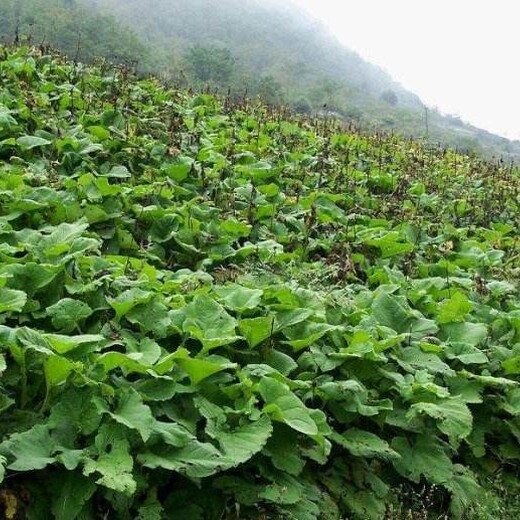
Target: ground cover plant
[{"x": 216, "y": 310}]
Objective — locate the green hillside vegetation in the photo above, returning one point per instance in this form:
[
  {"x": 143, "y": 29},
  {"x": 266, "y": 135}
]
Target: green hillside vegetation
[
  {"x": 216, "y": 310},
  {"x": 284, "y": 55},
  {"x": 267, "y": 49},
  {"x": 75, "y": 30}
]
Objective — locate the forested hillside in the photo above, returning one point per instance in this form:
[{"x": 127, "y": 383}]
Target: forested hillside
[
  {"x": 77, "y": 31},
  {"x": 285, "y": 56},
  {"x": 215, "y": 310},
  {"x": 267, "y": 49}
]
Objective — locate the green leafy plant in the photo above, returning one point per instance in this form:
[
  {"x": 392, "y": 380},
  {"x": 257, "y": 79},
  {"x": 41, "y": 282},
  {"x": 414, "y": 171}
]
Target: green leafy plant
[{"x": 212, "y": 313}]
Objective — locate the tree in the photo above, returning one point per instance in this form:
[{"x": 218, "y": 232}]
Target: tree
[
  {"x": 270, "y": 90},
  {"x": 210, "y": 64},
  {"x": 390, "y": 97}
]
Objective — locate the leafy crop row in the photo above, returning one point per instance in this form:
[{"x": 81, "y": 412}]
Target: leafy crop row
[{"x": 217, "y": 311}]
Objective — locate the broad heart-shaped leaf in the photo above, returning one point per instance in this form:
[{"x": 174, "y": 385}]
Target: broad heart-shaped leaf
[
  {"x": 57, "y": 369},
  {"x": 466, "y": 354},
  {"x": 200, "y": 369},
  {"x": 364, "y": 444},
  {"x": 467, "y": 333},
  {"x": 119, "y": 172},
  {"x": 455, "y": 309},
  {"x": 71, "y": 491},
  {"x": 134, "y": 414},
  {"x": 30, "y": 277},
  {"x": 390, "y": 245},
  {"x": 259, "y": 172},
  {"x": 238, "y": 298},
  {"x": 76, "y": 408},
  {"x": 285, "y": 454},
  {"x": 113, "y": 461},
  {"x": 180, "y": 168},
  {"x": 279, "y": 361},
  {"x": 306, "y": 333},
  {"x": 64, "y": 344},
  {"x": 127, "y": 300},
  {"x": 30, "y": 450},
  {"x": 245, "y": 441},
  {"x": 452, "y": 416},
  {"x": 67, "y": 314},
  {"x": 206, "y": 320},
  {"x": 30, "y": 141},
  {"x": 128, "y": 363},
  {"x": 100, "y": 132},
  {"x": 12, "y": 300},
  {"x": 464, "y": 489},
  {"x": 256, "y": 330},
  {"x": 416, "y": 359},
  {"x": 61, "y": 237},
  {"x": 287, "y": 318},
  {"x": 285, "y": 490},
  {"x": 152, "y": 317},
  {"x": 511, "y": 366},
  {"x": 196, "y": 459},
  {"x": 426, "y": 456},
  {"x": 282, "y": 405},
  {"x": 393, "y": 312}
]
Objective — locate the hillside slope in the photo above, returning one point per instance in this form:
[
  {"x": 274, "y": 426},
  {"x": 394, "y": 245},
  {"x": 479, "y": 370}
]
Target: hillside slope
[
  {"x": 75, "y": 30},
  {"x": 215, "y": 311},
  {"x": 287, "y": 56},
  {"x": 270, "y": 49}
]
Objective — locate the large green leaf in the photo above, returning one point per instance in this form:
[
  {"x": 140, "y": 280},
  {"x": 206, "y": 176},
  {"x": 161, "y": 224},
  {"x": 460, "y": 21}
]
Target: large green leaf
[
  {"x": 426, "y": 456},
  {"x": 467, "y": 333},
  {"x": 30, "y": 450},
  {"x": 68, "y": 314},
  {"x": 127, "y": 300},
  {"x": 256, "y": 330},
  {"x": 113, "y": 463},
  {"x": 30, "y": 141},
  {"x": 245, "y": 441},
  {"x": 12, "y": 300},
  {"x": 206, "y": 320},
  {"x": 70, "y": 493},
  {"x": 453, "y": 416},
  {"x": 306, "y": 333},
  {"x": 134, "y": 414},
  {"x": 364, "y": 444},
  {"x": 238, "y": 298},
  {"x": 455, "y": 309},
  {"x": 393, "y": 312},
  {"x": 282, "y": 405},
  {"x": 196, "y": 459},
  {"x": 200, "y": 369}
]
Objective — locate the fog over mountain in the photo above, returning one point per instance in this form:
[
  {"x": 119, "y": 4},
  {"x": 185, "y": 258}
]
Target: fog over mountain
[
  {"x": 273, "y": 40},
  {"x": 271, "y": 49}
]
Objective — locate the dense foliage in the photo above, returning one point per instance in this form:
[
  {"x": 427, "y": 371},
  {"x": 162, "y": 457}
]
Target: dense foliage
[
  {"x": 276, "y": 44},
  {"x": 74, "y": 30},
  {"x": 269, "y": 48},
  {"x": 211, "y": 310}
]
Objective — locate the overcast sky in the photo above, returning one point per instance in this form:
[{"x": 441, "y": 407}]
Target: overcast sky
[{"x": 462, "y": 56}]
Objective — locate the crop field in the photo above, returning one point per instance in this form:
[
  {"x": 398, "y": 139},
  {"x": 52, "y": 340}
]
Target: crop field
[{"x": 217, "y": 310}]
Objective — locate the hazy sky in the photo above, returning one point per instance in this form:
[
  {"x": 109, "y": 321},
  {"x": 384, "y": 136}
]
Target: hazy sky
[{"x": 462, "y": 56}]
